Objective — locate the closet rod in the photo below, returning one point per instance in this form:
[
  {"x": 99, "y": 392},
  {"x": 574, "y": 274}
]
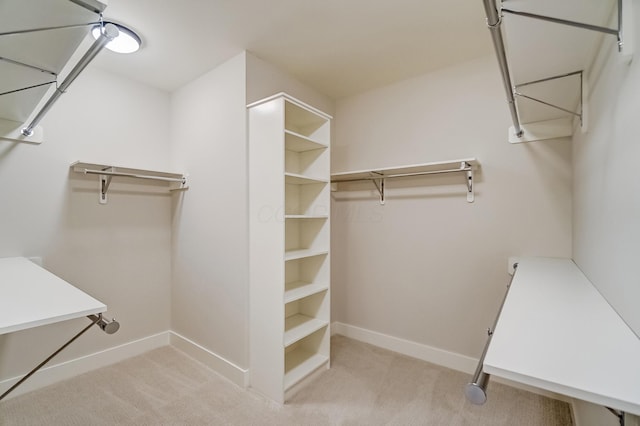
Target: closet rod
[
  {"x": 613, "y": 31},
  {"x": 133, "y": 175},
  {"x": 493, "y": 22},
  {"x": 108, "y": 33},
  {"x": 467, "y": 168},
  {"x": 476, "y": 389}
]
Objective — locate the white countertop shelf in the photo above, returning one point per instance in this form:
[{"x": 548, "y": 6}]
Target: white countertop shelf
[
  {"x": 557, "y": 332},
  {"x": 31, "y": 296}
]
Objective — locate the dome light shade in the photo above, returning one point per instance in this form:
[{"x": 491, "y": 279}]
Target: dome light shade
[{"x": 126, "y": 42}]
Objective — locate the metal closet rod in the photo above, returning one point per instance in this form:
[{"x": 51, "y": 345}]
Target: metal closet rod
[
  {"x": 134, "y": 175},
  {"x": 494, "y": 21},
  {"x": 379, "y": 176}
]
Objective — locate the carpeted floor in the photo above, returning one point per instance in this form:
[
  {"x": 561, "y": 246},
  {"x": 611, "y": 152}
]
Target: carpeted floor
[{"x": 365, "y": 386}]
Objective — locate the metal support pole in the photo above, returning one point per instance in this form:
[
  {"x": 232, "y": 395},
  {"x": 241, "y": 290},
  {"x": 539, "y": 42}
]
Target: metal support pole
[
  {"x": 94, "y": 320},
  {"x": 109, "y": 32},
  {"x": 493, "y": 22},
  {"x": 108, "y": 327},
  {"x": 476, "y": 389}
]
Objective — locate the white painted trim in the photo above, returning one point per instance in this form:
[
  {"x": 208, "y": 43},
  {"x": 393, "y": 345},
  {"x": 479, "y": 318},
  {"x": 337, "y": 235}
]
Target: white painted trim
[
  {"x": 406, "y": 347},
  {"x": 234, "y": 373},
  {"x": 68, "y": 369},
  {"x": 430, "y": 354}
]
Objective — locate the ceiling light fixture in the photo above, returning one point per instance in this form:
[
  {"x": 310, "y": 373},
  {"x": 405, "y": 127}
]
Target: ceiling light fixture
[{"x": 126, "y": 42}]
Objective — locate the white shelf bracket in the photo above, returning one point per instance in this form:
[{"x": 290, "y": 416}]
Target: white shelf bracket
[
  {"x": 470, "y": 194},
  {"x": 379, "y": 184},
  {"x": 105, "y": 181}
]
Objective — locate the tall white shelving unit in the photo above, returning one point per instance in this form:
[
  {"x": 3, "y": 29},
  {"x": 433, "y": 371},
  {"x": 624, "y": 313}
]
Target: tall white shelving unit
[{"x": 289, "y": 184}]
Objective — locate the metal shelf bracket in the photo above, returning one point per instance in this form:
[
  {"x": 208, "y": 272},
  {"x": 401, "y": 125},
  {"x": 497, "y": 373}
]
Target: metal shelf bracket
[
  {"x": 379, "y": 184},
  {"x": 105, "y": 181},
  {"x": 470, "y": 194}
]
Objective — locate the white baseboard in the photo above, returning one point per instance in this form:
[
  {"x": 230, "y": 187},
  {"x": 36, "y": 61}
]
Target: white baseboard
[
  {"x": 68, "y": 369},
  {"x": 428, "y": 353},
  {"x": 406, "y": 347},
  {"x": 225, "y": 368}
]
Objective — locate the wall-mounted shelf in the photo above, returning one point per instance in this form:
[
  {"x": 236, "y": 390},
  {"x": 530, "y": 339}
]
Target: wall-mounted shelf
[
  {"x": 174, "y": 181},
  {"x": 31, "y": 296},
  {"x": 557, "y": 332},
  {"x": 36, "y": 51},
  {"x": 546, "y": 59},
  {"x": 378, "y": 176}
]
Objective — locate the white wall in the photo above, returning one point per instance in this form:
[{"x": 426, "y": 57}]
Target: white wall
[
  {"x": 264, "y": 80},
  {"x": 606, "y": 225},
  {"x": 428, "y": 267},
  {"x": 119, "y": 252},
  {"x": 210, "y": 253},
  {"x": 210, "y": 243},
  {"x": 606, "y": 238}
]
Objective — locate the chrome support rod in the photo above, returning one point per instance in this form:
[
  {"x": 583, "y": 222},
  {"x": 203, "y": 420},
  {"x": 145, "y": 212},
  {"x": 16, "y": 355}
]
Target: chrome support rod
[
  {"x": 22, "y": 64},
  {"x": 476, "y": 389},
  {"x": 613, "y": 31},
  {"x": 555, "y": 77},
  {"x": 109, "y": 32},
  {"x": 27, "y": 88},
  {"x": 542, "y": 80},
  {"x": 548, "y": 104},
  {"x": 493, "y": 23},
  {"x": 60, "y": 27},
  {"x": 95, "y": 320},
  {"x": 134, "y": 175}
]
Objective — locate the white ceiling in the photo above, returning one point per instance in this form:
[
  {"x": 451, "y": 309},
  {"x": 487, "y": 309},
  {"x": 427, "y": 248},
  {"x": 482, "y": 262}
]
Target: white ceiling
[{"x": 339, "y": 47}]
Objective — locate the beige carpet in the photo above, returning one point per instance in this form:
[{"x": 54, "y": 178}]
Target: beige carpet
[{"x": 365, "y": 386}]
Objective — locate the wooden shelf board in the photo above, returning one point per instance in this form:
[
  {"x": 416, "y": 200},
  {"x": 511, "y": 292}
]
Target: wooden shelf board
[
  {"x": 300, "y": 143},
  {"x": 300, "y": 254},
  {"x": 300, "y": 289},
  {"x": 31, "y": 296},
  {"x": 304, "y": 216},
  {"x": 297, "y": 327},
  {"x": 299, "y": 364},
  {"x": 296, "y": 179},
  {"x": 412, "y": 168}
]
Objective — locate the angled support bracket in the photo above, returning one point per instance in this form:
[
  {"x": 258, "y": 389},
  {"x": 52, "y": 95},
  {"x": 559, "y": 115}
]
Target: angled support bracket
[
  {"x": 379, "y": 184},
  {"x": 107, "y": 326},
  {"x": 556, "y": 77},
  {"x": 470, "y": 194},
  {"x": 104, "y": 182}
]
